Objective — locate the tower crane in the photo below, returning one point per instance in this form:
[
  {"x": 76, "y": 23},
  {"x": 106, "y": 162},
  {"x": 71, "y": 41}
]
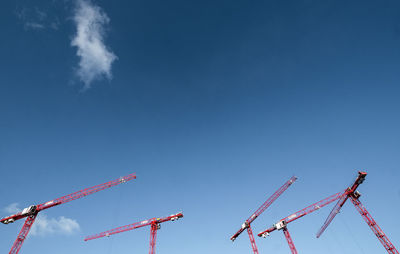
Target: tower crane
[
  {"x": 154, "y": 224},
  {"x": 32, "y": 211},
  {"x": 354, "y": 195},
  {"x": 282, "y": 224},
  {"x": 261, "y": 209}
]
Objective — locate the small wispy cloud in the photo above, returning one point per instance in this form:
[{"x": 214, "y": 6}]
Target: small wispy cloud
[
  {"x": 95, "y": 58},
  {"x": 12, "y": 208},
  {"x": 34, "y": 25},
  {"x": 45, "y": 226},
  {"x": 36, "y": 19}
]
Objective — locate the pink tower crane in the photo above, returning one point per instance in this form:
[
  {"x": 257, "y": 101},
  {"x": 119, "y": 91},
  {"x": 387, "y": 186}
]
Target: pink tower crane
[
  {"x": 263, "y": 207},
  {"x": 32, "y": 211},
  {"x": 282, "y": 224},
  {"x": 353, "y": 195},
  {"x": 154, "y": 224}
]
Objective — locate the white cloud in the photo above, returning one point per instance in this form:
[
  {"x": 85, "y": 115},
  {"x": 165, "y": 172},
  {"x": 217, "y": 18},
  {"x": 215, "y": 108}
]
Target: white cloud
[
  {"x": 34, "y": 26},
  {"x": 95, "y": 58},
  {"x": 12, "y": 208},
  {"x": 45, "y": 226},
  {"x": 35, "y": 19},
  {"x": 41, "y": 15}
]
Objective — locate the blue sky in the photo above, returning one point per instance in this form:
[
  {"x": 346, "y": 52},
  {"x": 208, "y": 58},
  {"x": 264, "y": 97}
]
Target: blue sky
[{"x": 214, "y": 104}]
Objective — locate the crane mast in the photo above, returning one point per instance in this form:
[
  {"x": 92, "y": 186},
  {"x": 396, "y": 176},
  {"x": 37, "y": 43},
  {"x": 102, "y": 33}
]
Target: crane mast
[
  {"x": 289, "y": 240},
  {"x": 31, "y": 212},
  {"x": 260, "y": 210},
  {"x": 23, "y": 233},
  {"x": 387, "y": 244}
]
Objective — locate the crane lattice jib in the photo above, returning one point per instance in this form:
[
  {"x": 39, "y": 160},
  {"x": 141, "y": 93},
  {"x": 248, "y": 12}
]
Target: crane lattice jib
[
  {"x": 85, "y": 192},
  {"x": 336, "y": 209},
  {"x": 359, "y": 180},
  {"x": 79, "y": 194},
  {"x": 309, "y": 209},
  {"x": 264, "y": 206},
  {"x": 267, "y": 203},
  {"x": 134, "y": 226}
]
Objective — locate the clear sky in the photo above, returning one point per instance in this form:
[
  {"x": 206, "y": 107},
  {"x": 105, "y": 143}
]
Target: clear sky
[{"x": 214, "y": 104}]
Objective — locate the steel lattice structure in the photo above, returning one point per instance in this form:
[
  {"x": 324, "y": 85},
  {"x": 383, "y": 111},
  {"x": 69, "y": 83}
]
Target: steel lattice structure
[
  {"x": 289, "y": 240},
  {"x": 373, "y": 225},
  {"x": 360, "y": 179}
]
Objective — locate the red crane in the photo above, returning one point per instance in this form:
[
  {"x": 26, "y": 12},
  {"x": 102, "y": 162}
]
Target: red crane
[
  {"x": 154, "y": 224},
  {"x": 282, "y": 224},
  {"x": 263, "y": 207},
  {"x": 354, "y": 197},
  {"x": 32, "y": 211}
]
